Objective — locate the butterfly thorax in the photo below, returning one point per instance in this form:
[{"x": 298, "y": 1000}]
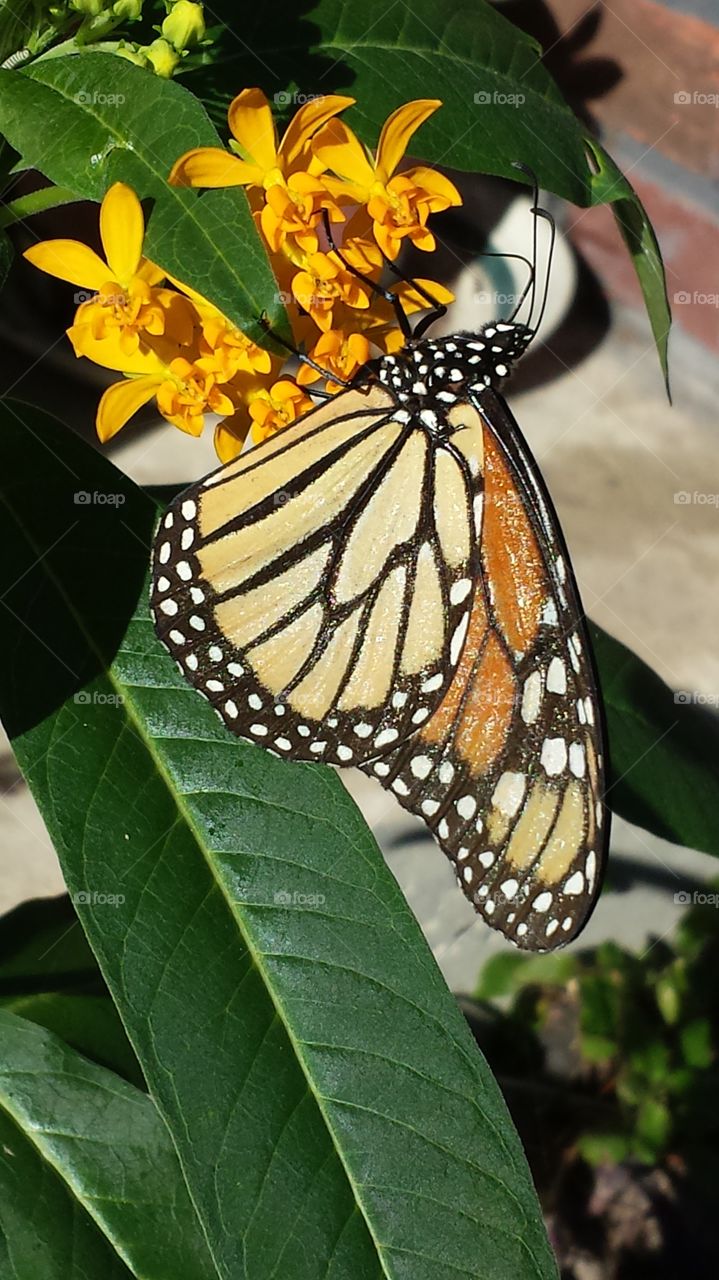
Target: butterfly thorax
[{"x": 435, "y": 373}]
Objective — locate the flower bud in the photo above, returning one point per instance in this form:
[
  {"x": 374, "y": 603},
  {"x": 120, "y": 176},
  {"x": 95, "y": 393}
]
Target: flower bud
[
  {"x": 184, "y": 25},
  {"x": 127, "y": 10},
  {"x": 132, "y": 54},
  {"x": 162, "y": 56},
  {"x": 90, "y": 8}
]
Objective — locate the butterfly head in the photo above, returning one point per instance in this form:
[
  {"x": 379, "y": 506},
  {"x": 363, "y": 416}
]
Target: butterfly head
[{"x": 437, "y": 372}]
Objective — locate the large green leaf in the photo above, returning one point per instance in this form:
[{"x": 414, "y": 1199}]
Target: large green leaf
[
  {"x": 663, "y": 750},
  {"x": 111, "y": 122},
  {"x": 499, "y": 103},
  {"x": 107, "y": 1145},
  {"x": 332, "y": 1115}
]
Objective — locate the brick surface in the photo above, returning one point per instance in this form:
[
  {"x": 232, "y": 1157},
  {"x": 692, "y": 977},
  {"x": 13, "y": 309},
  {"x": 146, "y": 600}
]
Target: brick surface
[{"x": 625, "y": 62}]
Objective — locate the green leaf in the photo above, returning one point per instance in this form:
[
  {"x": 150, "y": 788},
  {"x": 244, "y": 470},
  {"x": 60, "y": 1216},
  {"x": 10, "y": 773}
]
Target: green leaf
[
  {"x": 108, "y": 1146},
  {"x": 114, "y": 122},
  {"x": 500, "y": 105},
  {"x": 49, "y": 975},
  {"x": 292, "y": 1026},
  {"x": 696, "y": 1042},
  {"x": 603, "y": 1148},
  {"x": 44, "y": 1233},
  {"x": 89, "y": 1024},
  {"x": 654, "y": 1123},
  {"x": 597, "y": 1048},
  {"x": 662, "y": 749},
  {"x": 610, "y": 186},
  {"x": 508, "y": 972}
]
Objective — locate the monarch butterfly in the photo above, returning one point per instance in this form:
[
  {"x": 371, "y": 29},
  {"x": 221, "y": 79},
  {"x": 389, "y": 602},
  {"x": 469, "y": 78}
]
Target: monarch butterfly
[{"x": 384, "y": 584}]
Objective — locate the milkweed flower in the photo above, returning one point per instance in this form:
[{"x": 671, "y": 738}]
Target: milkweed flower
[
  {"x": 337, "y": 352},
  {"x": 223, "y": 349},
  {"x": 323, "y": 283},
  {"x": 128, "y": 305},
  {"x": 184, "y": 394},
  {"x": 286, "y": 172},
  {"x": 399, "y": 204},
  {"x": 275, "y": 407}
]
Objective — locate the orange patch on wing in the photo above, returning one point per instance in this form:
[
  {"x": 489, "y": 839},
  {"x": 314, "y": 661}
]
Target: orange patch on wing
[
  {"x": 488, "y": 711},
  {"x": 512, "y": 561},
  {"x": 444, "y": 717}
]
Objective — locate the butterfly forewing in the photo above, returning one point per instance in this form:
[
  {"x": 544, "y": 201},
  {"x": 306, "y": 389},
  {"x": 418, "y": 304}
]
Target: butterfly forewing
[
  {"x": 316, "y": 591},
  {"x": 508, "y": 773},
  {"x": 384, "y": 583}
]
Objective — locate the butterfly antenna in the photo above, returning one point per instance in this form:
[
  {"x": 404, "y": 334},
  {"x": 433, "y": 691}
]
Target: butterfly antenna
[
  {"x": 537, "y": 212},
  {"x": 544, "y": 213}
]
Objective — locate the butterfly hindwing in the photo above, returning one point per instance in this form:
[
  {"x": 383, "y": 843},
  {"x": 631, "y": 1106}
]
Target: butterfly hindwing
[
  {"x": 508, "y": 773},
  {"x": 316, "y": 591}
]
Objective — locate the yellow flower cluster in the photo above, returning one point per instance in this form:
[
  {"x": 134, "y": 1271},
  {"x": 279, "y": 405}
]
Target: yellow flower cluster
[{"x": 173, "y": 346}]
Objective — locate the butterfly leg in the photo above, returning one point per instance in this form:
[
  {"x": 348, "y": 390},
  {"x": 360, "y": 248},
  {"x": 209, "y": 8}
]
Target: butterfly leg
[
  {"x": 305, "y": 359},
  {"x": 394, "y": 301}
]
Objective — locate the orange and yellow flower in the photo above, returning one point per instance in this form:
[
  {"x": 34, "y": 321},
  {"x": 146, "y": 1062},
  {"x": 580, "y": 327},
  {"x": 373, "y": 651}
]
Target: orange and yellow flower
[
  {"x": 275, "y": 407},
  {"x": 128, "y": 307},
  {"x": 286, "y": 172},
  {"x": 174, "y": 347},
  {"x": 398, "y": 204},
  {"x": 339, "y": 353}
]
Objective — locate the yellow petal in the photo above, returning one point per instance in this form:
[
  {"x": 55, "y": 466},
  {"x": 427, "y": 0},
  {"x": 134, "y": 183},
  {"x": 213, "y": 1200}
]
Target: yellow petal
[
  {"x": 148, "y": 272},
  {"x": 70, "y": 260},
  {"x": 211, "y": 167},
  {"x": 121, "y": 401},
  {"x": 230, "y": 436},
  {"x": 251, "y": 123},
  {"x": 305, "y": 121},
  {"x": 397, "y": 131},
  {"x": 337, "y": 147},
  {"x": 122, "y": 230},
  {"x": 435, "y": 184},
  {"x": 108, "y": 351}
]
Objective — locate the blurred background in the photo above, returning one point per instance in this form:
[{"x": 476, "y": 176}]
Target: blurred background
[{"x": 636, "y": 485}]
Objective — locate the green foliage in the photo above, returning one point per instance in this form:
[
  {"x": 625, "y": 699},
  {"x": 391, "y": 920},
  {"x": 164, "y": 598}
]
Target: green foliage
[
  {"x": 646, "y": 1037},
  {"x": 295, "y": 1035}
]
